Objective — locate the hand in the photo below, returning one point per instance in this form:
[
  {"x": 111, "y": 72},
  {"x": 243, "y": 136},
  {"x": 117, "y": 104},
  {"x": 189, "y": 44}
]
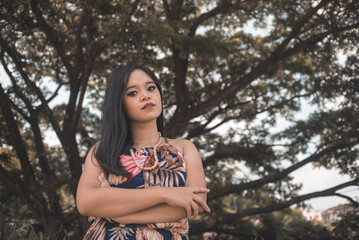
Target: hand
[
  {"x": 186, "y": 198},
  {"x": 103, "y": 180}
]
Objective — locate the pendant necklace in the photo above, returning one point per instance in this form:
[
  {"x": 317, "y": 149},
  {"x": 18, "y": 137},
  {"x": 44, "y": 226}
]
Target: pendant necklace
[{"x": 155, "y": 164}]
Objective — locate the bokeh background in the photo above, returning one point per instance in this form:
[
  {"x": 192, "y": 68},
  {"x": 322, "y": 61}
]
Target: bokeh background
[{"x": 267, "y": 90}]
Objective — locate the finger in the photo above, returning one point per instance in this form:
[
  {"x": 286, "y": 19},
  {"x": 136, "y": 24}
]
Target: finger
[
  {"x": 100, "y": 179},
  {"x": 200, "y": 190},
  {"x": 201, "y": 202},
  {"x": 188, "y": 210},
  {"x": 194, "y": 207},
  {"x": 103, "y": 180}
]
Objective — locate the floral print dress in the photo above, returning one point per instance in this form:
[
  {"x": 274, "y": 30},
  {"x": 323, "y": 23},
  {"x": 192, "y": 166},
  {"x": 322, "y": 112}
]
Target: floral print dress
[{"x": 171, "y": 173}]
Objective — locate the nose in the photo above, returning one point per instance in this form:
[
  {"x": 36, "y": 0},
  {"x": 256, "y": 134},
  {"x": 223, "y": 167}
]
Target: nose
[{"x": 145, "y": 96}]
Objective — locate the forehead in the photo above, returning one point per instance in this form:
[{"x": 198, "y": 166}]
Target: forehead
[{"x": 138, "y": 77}]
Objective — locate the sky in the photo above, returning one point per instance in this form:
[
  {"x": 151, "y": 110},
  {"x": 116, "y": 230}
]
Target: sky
[
  {"x": 312, "y": 178},
  {"x": 318, "y": 178}
]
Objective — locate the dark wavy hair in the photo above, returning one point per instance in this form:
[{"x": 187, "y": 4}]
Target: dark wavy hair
[{"x": 114, "y": 134}]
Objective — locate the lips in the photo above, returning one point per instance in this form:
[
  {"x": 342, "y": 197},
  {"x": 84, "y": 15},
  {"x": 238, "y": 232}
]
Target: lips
[{"x": 148, "y": 105}]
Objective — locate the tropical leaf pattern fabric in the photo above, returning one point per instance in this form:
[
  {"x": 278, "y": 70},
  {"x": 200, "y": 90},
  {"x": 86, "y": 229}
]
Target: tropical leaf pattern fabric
[{"x": 171, "y": 173}]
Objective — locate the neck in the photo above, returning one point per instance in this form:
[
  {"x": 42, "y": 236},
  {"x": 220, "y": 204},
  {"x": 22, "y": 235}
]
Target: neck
[{"x": 144, "y": 134}]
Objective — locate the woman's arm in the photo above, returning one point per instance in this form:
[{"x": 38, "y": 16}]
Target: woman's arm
[
  {"x": 195, "y": 174},
  {"x": 92, "y": 200},
  {"x": 163, "y": 212},
  {"x": 157, "y": 214}
]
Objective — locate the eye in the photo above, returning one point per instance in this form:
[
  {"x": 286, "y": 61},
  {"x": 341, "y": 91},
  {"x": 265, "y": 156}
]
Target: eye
[
  {"x": 151, "y": 88},
  {"x": 132, "y": 93}
]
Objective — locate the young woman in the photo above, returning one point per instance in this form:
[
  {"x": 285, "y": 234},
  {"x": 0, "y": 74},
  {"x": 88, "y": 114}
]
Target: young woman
[{"x": 137, "y": 184}]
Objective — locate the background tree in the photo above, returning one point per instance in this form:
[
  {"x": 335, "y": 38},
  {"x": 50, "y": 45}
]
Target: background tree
[
  {"x": 345, "y": 228},
  {"x": 214, "y": 72},
  {"x": 290, "y": 224}
]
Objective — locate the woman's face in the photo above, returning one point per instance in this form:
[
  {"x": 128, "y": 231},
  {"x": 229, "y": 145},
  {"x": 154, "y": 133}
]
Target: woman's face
[{"x": 142, "y": 99}]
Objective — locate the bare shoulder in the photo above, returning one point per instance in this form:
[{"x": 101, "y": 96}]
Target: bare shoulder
[
  {"x": 186, "y": 147},
  {"x": 92, "y": 151},
  {"x": 91, "y": 161},
  {"x": 90, "y": 173}
]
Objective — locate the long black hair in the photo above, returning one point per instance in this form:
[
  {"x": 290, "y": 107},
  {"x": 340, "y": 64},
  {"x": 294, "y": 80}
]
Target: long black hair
[{"x": 115, "y": 136}]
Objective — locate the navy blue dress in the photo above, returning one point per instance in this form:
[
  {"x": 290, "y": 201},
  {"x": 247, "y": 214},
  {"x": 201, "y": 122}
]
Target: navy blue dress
[{"x": 171, "y": 173}]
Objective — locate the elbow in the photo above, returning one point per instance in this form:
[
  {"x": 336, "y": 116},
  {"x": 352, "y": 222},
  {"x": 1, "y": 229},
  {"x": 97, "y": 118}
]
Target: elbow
[{"x": 83, "y": 204}]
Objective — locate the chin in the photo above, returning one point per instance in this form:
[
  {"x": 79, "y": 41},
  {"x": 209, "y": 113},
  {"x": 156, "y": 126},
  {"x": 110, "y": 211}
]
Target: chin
[
  {"x": 147, "y": 117},
  {"x": 154, "y": 116}
]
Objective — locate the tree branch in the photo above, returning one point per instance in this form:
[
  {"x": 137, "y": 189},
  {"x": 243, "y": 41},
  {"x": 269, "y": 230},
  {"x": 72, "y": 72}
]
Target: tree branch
[
  {"x": 224, "y": 6},
  {"x": 314, "y": 39},
  {"x": 17, "y": 90},
  {"x": 78, "y": 82},
  {"x": 166, "y": 7},
  {"x": 84, "y": 82},
  {"x": 232, "y": 188},
  {"x": 202, "y": 130},
  {"x": 16, "y": 139},
  {"x": 213, "y": 222},
  {"x": 17, "y": 109},
  {"x": 256, "y": 71},
  {"x": 308, "y": 42},
  {"x": 51, "y": 36},
  {"x": 37, "y": 199},
  {"x": 20, "y": 111},
  {"x": 99, "y": 46},
  {"x": 173, "y": 12},
  {"x": 47, "y": 172},
  {"x": 40, "y": 150},
  {"x": 32, "y": 86},
  {"x": 79, "y": 63},
  {"x": 16, "y": 185},
  {"x": 355, "y": 203},
  {"x": 54, "y": 94}
]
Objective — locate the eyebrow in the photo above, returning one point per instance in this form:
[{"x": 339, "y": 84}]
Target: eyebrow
[{"x": 148, "y": 82}]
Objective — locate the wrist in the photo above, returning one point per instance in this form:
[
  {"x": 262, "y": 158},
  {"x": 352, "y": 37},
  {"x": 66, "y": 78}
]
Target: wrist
[
  {"x": 118, "y": 220},
  {"x": 161, "y": 193}
]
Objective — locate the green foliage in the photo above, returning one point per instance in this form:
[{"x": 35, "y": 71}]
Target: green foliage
[
  {"x": 290, "y": 225},
  {"x": 11, "y": 231},
  {"x": 346, "y": 228}
]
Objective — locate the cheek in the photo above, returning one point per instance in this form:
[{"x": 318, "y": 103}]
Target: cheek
[
  {"x": 158, "y": 96},
  {"x": 127, "y": 106}
]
